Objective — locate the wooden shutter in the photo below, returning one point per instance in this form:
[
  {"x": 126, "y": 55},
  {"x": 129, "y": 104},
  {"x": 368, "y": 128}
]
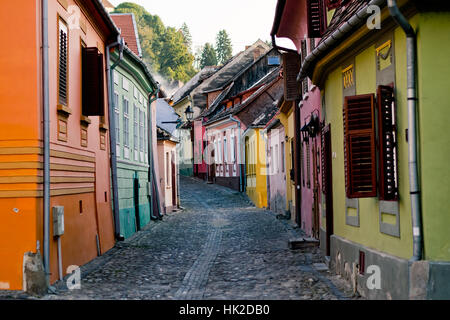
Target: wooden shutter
[
  {"x": 305, "y": 88},
  {"x": 333, "y": 4},
  {"x": 62, "y": 67},
  {"x": 387, "y": 130},
  {"x": 316, "y": 18},
  {"x": 93, "y": 87},
  {"x": 291, "y": 68},
  {"x": 359, "y": 146}
]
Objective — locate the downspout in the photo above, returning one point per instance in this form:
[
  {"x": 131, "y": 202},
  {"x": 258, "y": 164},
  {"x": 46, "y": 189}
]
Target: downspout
[
  {"x": 240, "y": 153},
  {"x": 150, "y": 149},
  {"x": 112, "y": 132},
  {"x": 414, "y": 187},
  {"x": 46, "y": 104}
]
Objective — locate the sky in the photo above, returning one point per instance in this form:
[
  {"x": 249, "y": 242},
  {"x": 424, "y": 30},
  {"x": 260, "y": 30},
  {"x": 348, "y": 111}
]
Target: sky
[{"x": 245, "y": 20}]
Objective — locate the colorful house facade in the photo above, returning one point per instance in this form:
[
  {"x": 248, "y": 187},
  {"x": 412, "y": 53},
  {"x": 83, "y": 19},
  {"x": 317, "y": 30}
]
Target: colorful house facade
[
  {"x": 133, "y": 87},
  {"x": 383, "y": 159},
  {"x": 53, "y": 142}
]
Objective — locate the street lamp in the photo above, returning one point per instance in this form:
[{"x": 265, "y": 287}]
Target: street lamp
[{"x": 189, "y": 113}]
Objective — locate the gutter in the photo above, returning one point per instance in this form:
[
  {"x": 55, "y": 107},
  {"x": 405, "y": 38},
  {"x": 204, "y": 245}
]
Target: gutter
[
  {"x": 344, "y": 30},
  {"x": 150, "y": 151},
  {"x": 241, "y": 185},
  {"x": 112, "y": 132},
  {"x": 46, "y": 127},
  {"x": 276, "y": 25},
  {"x": 414, "y": 186}
]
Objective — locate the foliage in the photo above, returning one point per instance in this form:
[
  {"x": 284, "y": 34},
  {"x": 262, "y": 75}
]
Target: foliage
[
  {"x": 187, "y": 35},
  {"x": 209, "y": 57},
  {"x": 224, "y": 48},
  {"x": 164, "y": 49}
]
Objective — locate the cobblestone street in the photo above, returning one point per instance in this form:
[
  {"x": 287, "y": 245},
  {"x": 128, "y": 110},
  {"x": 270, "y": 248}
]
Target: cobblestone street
[{"x": 218, "y": 247}]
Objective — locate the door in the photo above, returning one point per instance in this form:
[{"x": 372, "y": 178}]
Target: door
[
  {"x": 136, "y": 201},
  {"x": 327, "y": 182}
]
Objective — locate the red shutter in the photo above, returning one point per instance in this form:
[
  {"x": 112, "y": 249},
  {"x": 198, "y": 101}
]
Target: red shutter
[
  {"x": 387, "y": 131},
  {"x": 316, "y": 18},
  {"x": 93, "y": 86},
  {"x": 62, "y": 83},
  {"x": 333, "y": 4},
  {"x": 359, "y": 146}
]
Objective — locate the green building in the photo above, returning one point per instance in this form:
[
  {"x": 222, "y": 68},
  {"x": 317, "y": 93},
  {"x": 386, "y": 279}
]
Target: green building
[{"x": 133, "y": 86}]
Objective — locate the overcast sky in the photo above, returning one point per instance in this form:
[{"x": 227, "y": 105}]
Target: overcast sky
[{"x": 245, "y": 20}]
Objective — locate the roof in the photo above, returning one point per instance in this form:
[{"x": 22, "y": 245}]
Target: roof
[
  {"x": 163, "y": 134},
  {"x": 185, "y": 90},
  {"x": 266, "y": 116},
  {"x": 165, "y": 113},
  {"x": 97, "y": 7},
  {"x": 126, "y": 22},
  {"x": 271, "y": 80}
]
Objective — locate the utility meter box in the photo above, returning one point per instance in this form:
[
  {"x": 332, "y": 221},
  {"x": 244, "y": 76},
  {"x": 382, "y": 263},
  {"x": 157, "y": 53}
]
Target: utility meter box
[{"x": 58, "y": 221}]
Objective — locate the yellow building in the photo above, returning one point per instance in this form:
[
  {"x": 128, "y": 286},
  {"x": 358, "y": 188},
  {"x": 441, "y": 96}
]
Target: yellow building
[{"x": 255, "y": 166}]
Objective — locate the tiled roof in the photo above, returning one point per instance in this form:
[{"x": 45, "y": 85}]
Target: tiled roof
[
  {"x": 184, "y": 91},
  {"x": 128, "y": 29},
  {"x": 165, "y": 113},
  {"x": 342, "y": 14}
]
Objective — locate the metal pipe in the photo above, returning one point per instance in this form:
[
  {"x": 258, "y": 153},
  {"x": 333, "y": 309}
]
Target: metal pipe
[
  {"x": 240, "y": 153},
  {"x": 150, "y": 147},
  {"x": 60, "y": 259},
  {"x": 46, "y": 138},
  {"x": 112, "y": 132},
  {"x": 414, "y": 186}
]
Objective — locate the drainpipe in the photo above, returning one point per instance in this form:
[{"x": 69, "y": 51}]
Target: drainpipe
[
  {"x": 414, "y": 187},
  {"x": 150, "y": 148},
  {"x": 112, "y": 132},
  {"x": 45, "y": 87},
  {"x": 240, "y": 153}
]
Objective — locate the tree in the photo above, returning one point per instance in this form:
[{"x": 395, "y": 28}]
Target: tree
[
  {"x": 224, "y": 47},
  {"x": 164, "y": 49},
  {"x": 209, "y": 57},
  {"x": 187, "y": 35}
]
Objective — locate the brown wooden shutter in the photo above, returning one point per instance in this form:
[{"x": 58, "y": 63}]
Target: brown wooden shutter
[
  {"x": 62, "y": 81},
  {"x": 304, "y": 49},
  {"x": 291, "y": 68},
  {"x": 387, "y": 130},
  {"x": 359, "y": 146},
  {"x": 316, "y": 18},
  {"x": 93, "y": 83}
]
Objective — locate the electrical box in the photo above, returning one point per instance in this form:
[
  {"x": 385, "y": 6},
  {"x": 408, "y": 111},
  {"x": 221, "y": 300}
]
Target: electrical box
[{"x": 58, "y": 221}]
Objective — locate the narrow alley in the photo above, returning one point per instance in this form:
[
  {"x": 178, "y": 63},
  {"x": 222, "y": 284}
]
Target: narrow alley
[{"x": 218, "y": 247}]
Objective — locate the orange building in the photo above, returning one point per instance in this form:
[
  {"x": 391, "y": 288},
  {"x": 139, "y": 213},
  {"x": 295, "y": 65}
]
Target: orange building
[{"x": 78, "y": 34}]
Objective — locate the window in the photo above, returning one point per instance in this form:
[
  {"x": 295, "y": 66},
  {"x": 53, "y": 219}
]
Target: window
[
  {"x": 282, "y": 157},
  {"x": 125, "y": 84},
  {"x": 275, "y": 160},
  {"x": 316, "y": 18},
  {"x": 116, "y": 116},
  {"x": 93, "y": 97},
  {"x": 308, "y": 165},
  {"x": 145, "y": 133},
  {"x": 225, "y": 151},
  {"x": 62, "y": 63},
  {"x": 141, "y": 131},
  {"x": 233, "y": 148},
  {"x": 387, "y": 130},
  {"x": 272, "y": 170},
  {"x": 135, "y": 92},
  {"x": 136, "y": 129},
  {"x": 116, "y": 77},
  {"x": 304, "y": 54},
  {"x": 126, "y": 123},
  {"x": 359, "y": 146},
  {"x": 168, "y": 169}
]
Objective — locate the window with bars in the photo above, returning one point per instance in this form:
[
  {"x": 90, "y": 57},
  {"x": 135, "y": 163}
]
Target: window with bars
[
  {"x": 359, "y": 146},
  {"x": 387, "y": 137},
  {"x": 62, "y": 63},
  {"x": 308, "y": 165},
  {"x": 316, "y": 18},
  {"x": 116, "y": 116},
  {"x": 126, "y": 123}
]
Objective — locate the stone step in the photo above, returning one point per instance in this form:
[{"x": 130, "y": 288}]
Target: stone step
[{"x": 301, "y": 243}]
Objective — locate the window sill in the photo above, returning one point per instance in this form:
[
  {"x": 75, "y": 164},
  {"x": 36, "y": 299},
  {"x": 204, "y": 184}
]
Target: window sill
[
  {"x": 85, "y": 120},
  {"x": 64, "y": 110}
]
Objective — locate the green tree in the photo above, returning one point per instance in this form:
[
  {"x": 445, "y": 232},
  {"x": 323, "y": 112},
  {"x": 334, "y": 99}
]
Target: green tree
[
  {"x": 187, "y": 35},
  {"x": 224, "y": 48},
  {"x": 164, "y": 49},
  {"x": 209, "y": 57}
]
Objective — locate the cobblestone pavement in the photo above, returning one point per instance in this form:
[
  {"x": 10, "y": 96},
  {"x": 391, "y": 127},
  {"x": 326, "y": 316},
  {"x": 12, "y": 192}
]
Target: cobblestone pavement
[{"x": 218, "y": 247}]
